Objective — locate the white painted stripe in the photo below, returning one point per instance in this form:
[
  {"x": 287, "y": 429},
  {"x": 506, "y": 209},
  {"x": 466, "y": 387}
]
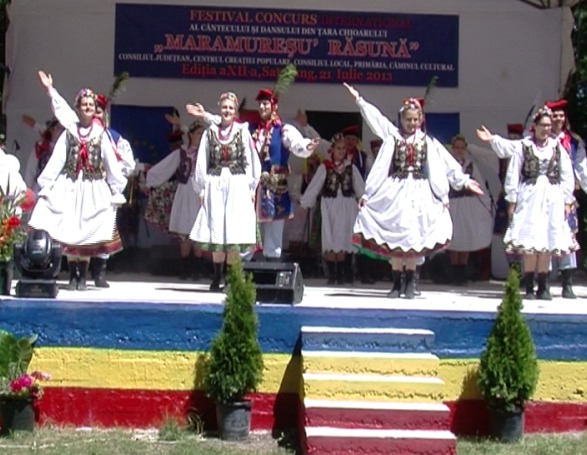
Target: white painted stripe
[
  {"x": 371, "y": 378},
  {"x": 375, "y": 405},
  {"x": 371, "y": 355},
  {"x": 374, "y": 433},
  {"x": 314, "y": 329}
]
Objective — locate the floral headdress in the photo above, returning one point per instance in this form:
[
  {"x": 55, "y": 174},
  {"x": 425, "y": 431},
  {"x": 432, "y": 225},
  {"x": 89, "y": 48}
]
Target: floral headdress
[
  {"x": 85, "y": 93},
  {"x": 229, "y": 96},
  {"x": 542, "y": 112},
  {"x": 411, "y": 103}
]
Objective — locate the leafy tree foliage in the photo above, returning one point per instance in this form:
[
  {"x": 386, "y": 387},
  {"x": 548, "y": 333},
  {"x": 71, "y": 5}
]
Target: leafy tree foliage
[{"x": 508, "y": 370}]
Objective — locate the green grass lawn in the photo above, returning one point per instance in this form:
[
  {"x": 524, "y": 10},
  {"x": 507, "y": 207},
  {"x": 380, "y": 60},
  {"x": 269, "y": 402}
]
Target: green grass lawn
[
  {"x": 545, "y": 444},
  {"x": 66, "y": 441}
]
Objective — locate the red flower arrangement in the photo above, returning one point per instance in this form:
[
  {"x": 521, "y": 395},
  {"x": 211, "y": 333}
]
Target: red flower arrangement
[
  {"x": 26, "y": 386},
  {"x": 12, "y": 229}
]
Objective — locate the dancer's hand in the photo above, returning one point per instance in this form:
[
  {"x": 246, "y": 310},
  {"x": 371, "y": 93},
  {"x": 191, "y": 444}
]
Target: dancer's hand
[
  {"x": 484, "y": 134},
  {"x": 174, "y": 119},
  {"x": 352, "y": 90},
  {"x": 46, "y": 80},
  {"x": 313, "y": 144},
  {"x": 474, "y": 187},
  {"x": 28, "y": 121},
  {"x": 196, "y": 110}
]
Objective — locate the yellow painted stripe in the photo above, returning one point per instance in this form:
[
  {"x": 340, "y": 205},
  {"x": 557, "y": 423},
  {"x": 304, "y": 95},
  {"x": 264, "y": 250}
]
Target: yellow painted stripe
[
  {"x": 558, "y": 381},
  {"x": 366, "y": 390},
  {"x": 181, "y": 370},
  {"x": 149, "y": 370},
  {"x": 403, "y": 366}
]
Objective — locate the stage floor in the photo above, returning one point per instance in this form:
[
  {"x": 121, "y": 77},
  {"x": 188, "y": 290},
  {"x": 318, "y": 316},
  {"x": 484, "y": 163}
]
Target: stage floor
[{"x": 482, "y": 296}]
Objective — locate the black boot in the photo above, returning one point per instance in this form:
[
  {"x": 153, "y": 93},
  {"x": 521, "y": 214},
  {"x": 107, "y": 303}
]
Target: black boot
[
  {"x": 349, "y": 276},
  {"x": 82, "y": 267},
  {"x": 332, "y": 272},
  {"x": 100, "y": 273},
  {"x": 363, "y": 263},
  {"x": 184, "y": 268},
  {"x": 397, "y": 285},
  {"x": 195, "y": 267},
  {"x": 529, "y": 284},
  {"x": 73, "y": 272},
  {"x": 567, "y": 277},
  {"x": 417, "y": 280},
  {"x": 340, "y": 273},
  {"x": 409, "y": 284},
  {"x": 543, "y": 292},
  {"x": 218, "y": 269}
]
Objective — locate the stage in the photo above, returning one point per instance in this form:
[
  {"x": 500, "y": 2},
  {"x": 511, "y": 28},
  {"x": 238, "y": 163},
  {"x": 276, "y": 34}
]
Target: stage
[
  {"x": 480, "y": 296},
  {"x": 132, "y": 354}
]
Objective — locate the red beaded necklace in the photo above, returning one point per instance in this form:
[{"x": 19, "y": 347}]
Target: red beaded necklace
[{"x": 224, "y": 137}]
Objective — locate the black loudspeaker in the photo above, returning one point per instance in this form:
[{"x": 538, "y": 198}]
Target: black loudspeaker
[{"x": 277, "y": 282}]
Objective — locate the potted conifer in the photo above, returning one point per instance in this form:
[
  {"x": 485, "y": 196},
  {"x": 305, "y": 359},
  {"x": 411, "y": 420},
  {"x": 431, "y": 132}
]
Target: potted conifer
[
  {"x": 235, "y": 364},
  {"x": 508, "y": 369}
]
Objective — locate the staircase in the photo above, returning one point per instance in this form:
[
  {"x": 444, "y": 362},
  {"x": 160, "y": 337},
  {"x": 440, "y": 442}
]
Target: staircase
[{"x": 373, "y": 391}]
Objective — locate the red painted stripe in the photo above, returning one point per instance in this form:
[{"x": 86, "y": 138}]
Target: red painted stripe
[
  {"x": 144, "y": 409},
  {"x": 470, "y": 417},
  {"x": 378, "y": 419}
]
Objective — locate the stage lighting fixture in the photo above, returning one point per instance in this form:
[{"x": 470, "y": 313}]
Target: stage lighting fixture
[{"x": 38, "y": 259}]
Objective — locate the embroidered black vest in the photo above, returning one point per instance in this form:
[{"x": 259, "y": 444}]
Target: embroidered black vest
[
  {"x": 185, "y": 168},
  {"x": 93, "y": 168},
  {"x": 463, "y": 192},
  {"x": 409, "y": 159},
  {"x": 533, "y": 167},
  {"x": 231, "y": 155},
  {"x": 334, "y": 180}
]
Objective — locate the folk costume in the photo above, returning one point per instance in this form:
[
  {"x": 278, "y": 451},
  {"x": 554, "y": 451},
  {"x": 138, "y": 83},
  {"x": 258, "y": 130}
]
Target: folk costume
[
  {"x": 226, "y": 177},
  {"x": 339, "y": 186},
  {"x": 575, "y": 147},
  {"x": 540, "y": 182},
  {"x": 124, "y": 156},
  {"x": 406, "y": 195},
  {"x": 79, "y": 187},
  {"x": 273, "y": 142}
]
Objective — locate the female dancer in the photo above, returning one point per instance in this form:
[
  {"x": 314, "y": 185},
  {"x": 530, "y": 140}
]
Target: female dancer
[
  {"x": 539, "y": 189},
  {"x": 78, "y": 188},
  {"x": 404, "y": 213},
  {"x": 226, "y": 178},
  {"x": 186, "y": 203},
  {"x": 340, "y": 185}
]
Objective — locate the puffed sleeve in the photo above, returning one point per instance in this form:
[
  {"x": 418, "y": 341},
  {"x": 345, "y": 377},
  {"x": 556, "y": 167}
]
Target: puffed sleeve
[
  {"x": 254, "y": 165},
  {"x": 63, "y": 111},
  {"x": 54, "y": 165},
  {"x": 201, "y": 172},
  {"x": 163, "y": 170},
  {"x": 567, "y": 176},
  {"x": 379, "y": 124},
  {"x": 380, "y": 170},
  {"x": 504, "y": 147},
  {"x": 512, "y": 178},
  {"x": 293, "y": 140},
  {"x": 114, "y": 176},
  {"x": 309, "y": 197}
]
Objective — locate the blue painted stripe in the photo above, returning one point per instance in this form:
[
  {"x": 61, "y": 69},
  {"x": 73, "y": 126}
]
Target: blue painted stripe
[{"x": 158, "y": 326}]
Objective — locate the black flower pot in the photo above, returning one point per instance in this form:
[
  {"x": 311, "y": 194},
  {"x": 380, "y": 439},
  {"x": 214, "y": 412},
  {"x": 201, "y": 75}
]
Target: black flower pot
[
  {"x": 17, "y": 415},
  {"x": 234, "y": 420},
  {"x": 507, "y": 426}
]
